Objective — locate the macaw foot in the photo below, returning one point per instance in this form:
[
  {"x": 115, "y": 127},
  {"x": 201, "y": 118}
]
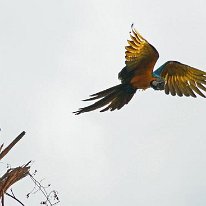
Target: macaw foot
[{"x": 158, "y": 84}]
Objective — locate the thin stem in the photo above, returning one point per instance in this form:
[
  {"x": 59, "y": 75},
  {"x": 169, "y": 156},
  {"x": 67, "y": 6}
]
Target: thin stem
[
  {"x": 7, "y": 149},
  {"x": 14, "y": 198}
]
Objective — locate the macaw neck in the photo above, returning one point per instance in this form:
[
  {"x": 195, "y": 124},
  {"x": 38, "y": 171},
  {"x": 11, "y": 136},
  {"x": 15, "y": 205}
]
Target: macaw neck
[
  {"x": 158, "y": 72},
  {"x": 155, "y": 75}
]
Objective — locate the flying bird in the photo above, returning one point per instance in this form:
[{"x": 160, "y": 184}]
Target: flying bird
[{"x": 173, "y": 77}]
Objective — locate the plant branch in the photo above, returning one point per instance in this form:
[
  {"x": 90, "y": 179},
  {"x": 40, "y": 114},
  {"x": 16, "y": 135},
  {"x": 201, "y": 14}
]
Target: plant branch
[
  {"x": 12, "y": 196},
  {"x": 7, "y": 149}
]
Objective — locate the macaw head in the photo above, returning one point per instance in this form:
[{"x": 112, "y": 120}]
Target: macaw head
[{"x": 158, "y": 83}]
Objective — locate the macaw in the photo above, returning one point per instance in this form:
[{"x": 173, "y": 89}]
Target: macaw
[{"x": 173, "y": 77}]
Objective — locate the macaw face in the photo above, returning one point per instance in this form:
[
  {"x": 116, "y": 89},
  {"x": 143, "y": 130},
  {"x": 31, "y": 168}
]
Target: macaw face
[{"x": 158, "y": 84}]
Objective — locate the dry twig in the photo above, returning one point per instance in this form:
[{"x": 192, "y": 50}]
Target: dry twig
[
  {"x": 7, "y": 149},
  {"x": 12, "y": 175}
]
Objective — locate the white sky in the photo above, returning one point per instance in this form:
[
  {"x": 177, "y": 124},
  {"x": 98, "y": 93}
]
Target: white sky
[{"x": 55, "y": 53}]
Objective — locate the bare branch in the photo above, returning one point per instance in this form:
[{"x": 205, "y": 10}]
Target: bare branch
[
  {"x": 1, "y": 147},
  {"x": 2, "y": 200},
  {"x": 51, "y": 197},
  {"x": 7, "y": 149},
  {"x": 12, "y": 196},
  {"x": 13, "y": 175}
]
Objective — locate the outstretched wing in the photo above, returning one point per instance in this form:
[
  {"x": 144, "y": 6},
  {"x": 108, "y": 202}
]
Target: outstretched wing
[
  {"x": 182, "y": 79},
  {"x": 140, "y": 56}
]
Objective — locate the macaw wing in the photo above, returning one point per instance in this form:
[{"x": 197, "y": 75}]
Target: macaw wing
[
  {"x": 182, "y": 79},
  {"x": 139, "y": 53}
]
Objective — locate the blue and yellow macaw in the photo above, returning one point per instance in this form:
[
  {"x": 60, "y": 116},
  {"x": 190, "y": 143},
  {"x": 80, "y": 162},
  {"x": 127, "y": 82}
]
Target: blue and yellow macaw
[{"x": 173, "y": 77}]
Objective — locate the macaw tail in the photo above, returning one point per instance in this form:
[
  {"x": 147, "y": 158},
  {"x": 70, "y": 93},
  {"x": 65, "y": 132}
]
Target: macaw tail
[{"x": 115, "y": 97}]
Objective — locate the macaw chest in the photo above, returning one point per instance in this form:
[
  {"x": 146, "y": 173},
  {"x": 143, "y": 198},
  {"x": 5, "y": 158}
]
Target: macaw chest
[{"x": 142, "y": 81}]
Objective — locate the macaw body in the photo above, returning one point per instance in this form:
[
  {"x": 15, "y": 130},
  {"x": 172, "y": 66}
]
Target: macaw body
[{"x": 173, "y": 77}]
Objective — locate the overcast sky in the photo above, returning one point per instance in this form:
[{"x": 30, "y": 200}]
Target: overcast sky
[{"x": 53, "y": 53}]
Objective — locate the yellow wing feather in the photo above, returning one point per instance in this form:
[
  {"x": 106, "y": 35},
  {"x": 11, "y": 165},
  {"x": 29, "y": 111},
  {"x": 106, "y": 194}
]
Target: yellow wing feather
[
  {"x": 182, "y": 79},
  {"x": 139, "y": 53}
]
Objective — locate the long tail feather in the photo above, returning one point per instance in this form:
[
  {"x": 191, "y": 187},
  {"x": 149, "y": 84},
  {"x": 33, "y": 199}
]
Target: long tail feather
[
  {"x": 103, "y": 93},
  {"x": 115, "y": 97}
]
